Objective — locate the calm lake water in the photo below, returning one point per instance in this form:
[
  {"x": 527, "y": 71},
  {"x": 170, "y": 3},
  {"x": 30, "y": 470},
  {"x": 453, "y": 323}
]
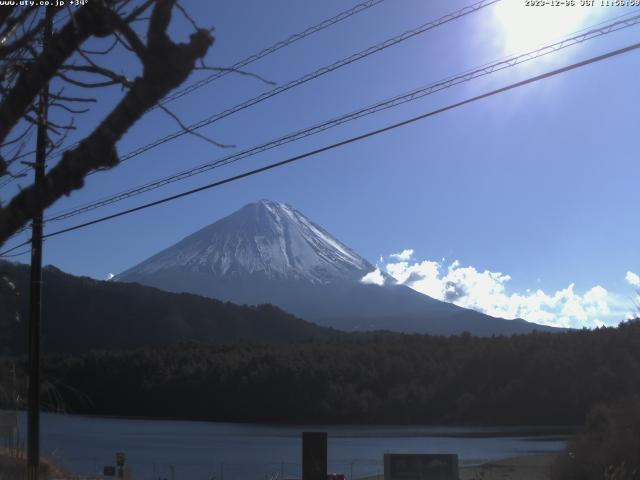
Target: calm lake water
[{"x": 168, "y": 449}]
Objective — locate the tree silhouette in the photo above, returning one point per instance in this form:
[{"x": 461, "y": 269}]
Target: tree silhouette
[{"x": 26, "y": 67}]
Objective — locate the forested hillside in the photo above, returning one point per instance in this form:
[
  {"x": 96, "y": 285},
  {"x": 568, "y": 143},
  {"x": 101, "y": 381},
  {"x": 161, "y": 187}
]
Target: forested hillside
[
  {"x": 80, "y": 314},
  {"x": 530, "y": 379}
]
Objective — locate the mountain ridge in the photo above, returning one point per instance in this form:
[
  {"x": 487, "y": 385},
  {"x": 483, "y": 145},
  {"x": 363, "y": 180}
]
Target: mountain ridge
[
  {"x": 80, "y": 314},
  {"x": 269, "y": 252}
]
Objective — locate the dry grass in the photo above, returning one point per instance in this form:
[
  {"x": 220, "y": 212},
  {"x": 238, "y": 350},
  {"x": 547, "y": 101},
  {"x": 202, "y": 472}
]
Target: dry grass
[{"x": 13, "y": 467}]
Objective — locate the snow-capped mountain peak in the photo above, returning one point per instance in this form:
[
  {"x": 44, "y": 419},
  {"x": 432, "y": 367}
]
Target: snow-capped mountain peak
[
  {"x": 265, "y": 238},
  {"x": 269, "y": 252}
]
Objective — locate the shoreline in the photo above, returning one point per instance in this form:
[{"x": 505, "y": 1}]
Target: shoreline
[
  {"x": 524, "y": 467},
  {"x": 473, "y": 430}
]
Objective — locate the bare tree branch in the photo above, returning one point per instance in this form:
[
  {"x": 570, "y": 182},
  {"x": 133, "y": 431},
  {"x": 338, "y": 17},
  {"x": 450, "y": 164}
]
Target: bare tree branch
[
  {"x": 166, "y": 65},
  {"x": 91, "y": 19},
  {"x": 235, "y": 70},
  {"x": 100, "y": 52},
  {"x": 72, "y": 99},
  {"x": 135, "y": 44},
  {"x": 80, "y": 83},
  {"x": 191, "y": 131},
  {"x": 26, "y": 37},
  {"x": 68, "y": 109}
]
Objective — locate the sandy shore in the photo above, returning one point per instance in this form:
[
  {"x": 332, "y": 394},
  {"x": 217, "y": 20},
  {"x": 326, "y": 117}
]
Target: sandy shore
[{"x": 531, "y": 467}]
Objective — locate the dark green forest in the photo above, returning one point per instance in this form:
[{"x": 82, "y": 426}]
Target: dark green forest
[
  {"x": 607, "y": 447},
  {"x": 81, "y": 314},
  {"x": 535, "y": 379}
]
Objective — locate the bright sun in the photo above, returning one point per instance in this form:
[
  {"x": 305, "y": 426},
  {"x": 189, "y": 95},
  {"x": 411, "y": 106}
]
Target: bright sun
[{"x": 525, "y": 27}]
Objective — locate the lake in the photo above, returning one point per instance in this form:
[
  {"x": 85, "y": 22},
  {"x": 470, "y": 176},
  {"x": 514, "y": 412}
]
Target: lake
[{"x": 171, "y": 449}]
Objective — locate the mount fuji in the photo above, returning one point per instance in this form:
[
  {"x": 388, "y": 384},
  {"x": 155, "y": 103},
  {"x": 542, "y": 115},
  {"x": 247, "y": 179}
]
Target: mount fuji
[{"x": 268, "y": 252}]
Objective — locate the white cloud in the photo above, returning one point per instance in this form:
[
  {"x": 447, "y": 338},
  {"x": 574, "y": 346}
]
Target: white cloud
[
  {"x": 404, "y": 255},
  {"x": 109, "y": 276},
  {"x": 633, "y": 279},
  {"x": 486, "y": 291},
  {"x": 373, "y": 278}
]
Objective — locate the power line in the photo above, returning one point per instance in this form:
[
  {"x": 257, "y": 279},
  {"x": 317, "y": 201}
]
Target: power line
[
  {"x": 11, "y": 178},
  {"x": 311, "y": 76},
  {"x": 342, "y": 143},
  {"x": 19, "y": 254},
  {"x": 369, "y": 110},
  {"x": 273, "y": 48},
  {"x": 304, "y": 79},
  {"x": 294, "y": 83},
  {"x": 361, "y": 7},
  {"x": 26, "y": 169}
]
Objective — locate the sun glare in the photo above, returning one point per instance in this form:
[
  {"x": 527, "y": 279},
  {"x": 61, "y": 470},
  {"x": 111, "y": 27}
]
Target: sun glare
[{"x": 524, "y": 27}]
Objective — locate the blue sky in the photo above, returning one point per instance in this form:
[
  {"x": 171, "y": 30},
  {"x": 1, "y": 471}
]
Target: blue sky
[{"x": 530, "y": 191}]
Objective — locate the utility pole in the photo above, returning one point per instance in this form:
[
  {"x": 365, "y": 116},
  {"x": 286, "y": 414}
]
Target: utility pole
[{"x": 35, "y": 292}]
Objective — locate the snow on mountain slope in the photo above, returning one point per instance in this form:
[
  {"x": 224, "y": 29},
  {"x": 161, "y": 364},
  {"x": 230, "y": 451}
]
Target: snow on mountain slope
[
  {"x": 266, "y": 238},
  {"x": 268, "y": 252}
]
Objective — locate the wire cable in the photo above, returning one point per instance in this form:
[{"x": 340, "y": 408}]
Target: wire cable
[
  {"x": 342, "y": 143},
  {"x": 10, "y": 178},
  {"x": 273, "y": 48},
  {"x": 302, "y": 80},
  {"x": 19, "y": 254},
  {"x": 310, "y": 76},
  {"x": 361, "y": 7},
  {"x": 369, "y": 110}
]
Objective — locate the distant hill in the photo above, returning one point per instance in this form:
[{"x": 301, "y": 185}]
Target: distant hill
[
  {"x": 81, "y": 314},
  {"x": 269, "y": 252}
]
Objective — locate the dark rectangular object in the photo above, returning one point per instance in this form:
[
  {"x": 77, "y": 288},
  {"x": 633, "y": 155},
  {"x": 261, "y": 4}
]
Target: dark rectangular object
[
  {"x": 314, "y": 455},
  {"x": 109, "y": 471},
  {"x": 401, "y": 466}
]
